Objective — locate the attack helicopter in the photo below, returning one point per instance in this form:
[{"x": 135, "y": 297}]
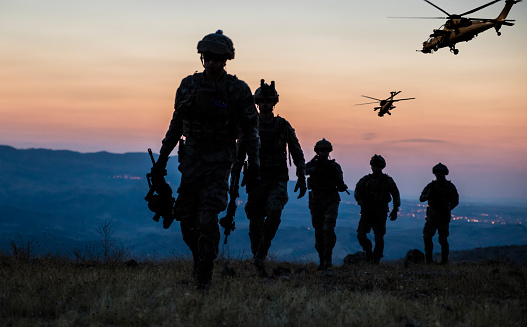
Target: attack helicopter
[
  {"x": 463, "y": 29},
  {"x": 384, "y": 105}
]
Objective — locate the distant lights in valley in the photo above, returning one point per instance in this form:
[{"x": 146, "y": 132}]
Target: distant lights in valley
[{"x": 125, "y": 177}]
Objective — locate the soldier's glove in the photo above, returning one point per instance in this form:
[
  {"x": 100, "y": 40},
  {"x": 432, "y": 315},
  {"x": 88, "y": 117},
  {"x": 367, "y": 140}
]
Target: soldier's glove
[
  {"x": 301, "y": 185},
  {"x": 251, "y": 176},
  {"x": 393, "y": 214},
  {"x": 160, "y": 167}
]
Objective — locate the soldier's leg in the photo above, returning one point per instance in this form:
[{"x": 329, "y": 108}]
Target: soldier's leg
[
  {"x": 442, "y": 231},
  {"x": 276, "y": 200},
  {"x": 190, "y": 233},
  {"x": 429, "y": 231},
  {"x": 213, "y": 199},
  {"x": 208, "y": 244},
  {"x": 270, "y": 228},
  {"x": 362, "y": 231},
  {"x": 187, "y": 212},
  {"x": 255, "y": 212},
  {"x": 317, "y": 219},
  {"x": 379, "y": 229},
  {"x": 330, "y": 238}
]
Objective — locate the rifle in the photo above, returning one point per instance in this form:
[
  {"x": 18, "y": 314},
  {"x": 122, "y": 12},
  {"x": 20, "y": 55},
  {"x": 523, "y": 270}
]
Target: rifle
[
  {"x": 227, "y": 222},
  {"x": 159, "y": 196}
]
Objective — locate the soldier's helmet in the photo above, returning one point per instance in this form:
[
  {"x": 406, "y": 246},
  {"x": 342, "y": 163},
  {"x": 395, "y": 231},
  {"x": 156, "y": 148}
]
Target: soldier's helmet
[
  {"x": 440, "y": 169},
  {"x": 377, "y": 161},
  {"x": 323, "y": 145},
  {"x": 266, "y": 92},
  {"x": 218, "y": 44}
]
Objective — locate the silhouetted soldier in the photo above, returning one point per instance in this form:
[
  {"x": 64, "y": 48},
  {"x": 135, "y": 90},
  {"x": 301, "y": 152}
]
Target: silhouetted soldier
[
  {"x": 266, "y": 200},
  {"x": 442, "y": 197},
  {"x": 212, "y": 109},
  {"x": 373, "y": 193},
  {"x": 325, "y": 181}
]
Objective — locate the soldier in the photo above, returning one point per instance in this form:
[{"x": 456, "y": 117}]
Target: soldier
[
  {"x": 267, "y": 199},
  {"x": 442, "y": 197},
  {"x": 212, "y": 109},
  {"x": 325, "y": 181},
  {"x": 373, "y": 193}
]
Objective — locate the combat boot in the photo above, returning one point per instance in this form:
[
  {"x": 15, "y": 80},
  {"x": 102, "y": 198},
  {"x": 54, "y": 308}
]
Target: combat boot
[
  {"x": 376, "y": 260},
  {"x": 428, "y": 257},
  {"x": 369, "y": 256},
  {"x": 260, "y": 266},
  {"x": 321, "y": 260},
  {"x": 328, "y": 261},
  {"x": 204, "y": 274},
  {"x": 444, "y": 259}
]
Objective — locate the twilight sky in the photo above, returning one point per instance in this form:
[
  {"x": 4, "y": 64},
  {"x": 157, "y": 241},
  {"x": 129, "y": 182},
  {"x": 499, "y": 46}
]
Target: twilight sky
[{"x": 101, "y": 75}]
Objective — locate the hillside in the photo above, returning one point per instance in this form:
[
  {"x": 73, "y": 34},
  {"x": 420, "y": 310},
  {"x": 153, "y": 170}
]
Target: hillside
[
  {"x": 58, "y": 199},
  {"x": 55, "y": 291}
]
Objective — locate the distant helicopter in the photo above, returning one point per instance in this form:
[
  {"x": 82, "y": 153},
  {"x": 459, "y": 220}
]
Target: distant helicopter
[
  {"x": 385, "y": 105},
  {"x": 461, "y": 29}
]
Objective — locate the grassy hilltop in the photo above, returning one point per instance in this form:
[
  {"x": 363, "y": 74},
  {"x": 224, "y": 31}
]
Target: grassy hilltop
[{"x": 53, "y": 291}]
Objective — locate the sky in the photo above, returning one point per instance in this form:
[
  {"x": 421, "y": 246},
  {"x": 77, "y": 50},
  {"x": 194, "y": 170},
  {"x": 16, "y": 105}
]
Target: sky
[{"x": 101, "y": 76}]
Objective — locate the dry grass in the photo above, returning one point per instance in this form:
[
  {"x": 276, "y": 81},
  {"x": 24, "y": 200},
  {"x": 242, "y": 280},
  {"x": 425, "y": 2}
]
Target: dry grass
[{"x": 60, "y": 292}]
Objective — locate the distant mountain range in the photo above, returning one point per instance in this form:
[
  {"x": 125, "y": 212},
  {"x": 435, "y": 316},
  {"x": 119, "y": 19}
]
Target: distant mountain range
[{"x": 58, "y": 199}]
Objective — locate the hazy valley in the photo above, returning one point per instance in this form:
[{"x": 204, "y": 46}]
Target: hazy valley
[{"x": 58, "y": 199}]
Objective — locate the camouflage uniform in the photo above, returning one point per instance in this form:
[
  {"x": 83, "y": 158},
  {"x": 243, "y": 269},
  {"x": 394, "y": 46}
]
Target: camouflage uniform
[
  {"x": 442, "y": 197},
  {"x": 211, "y": 115},
  {"x": 325, "y": 181},
  {"x": 373, "y": 192},
  {"x": 267, "y": 199}
]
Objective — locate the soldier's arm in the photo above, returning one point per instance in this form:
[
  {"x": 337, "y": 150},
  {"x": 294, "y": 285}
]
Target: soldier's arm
[
  {"x": 394, "y": 191},
  {"x": 311, "y": 165},
  {"x": 175, "y": 129},
  {"x": 249, "y": 124},
  {"x": 424, "y": 194},
  {"x": 454, "y": 197},
  {"x": 359, "y": 190},
  {"x": 296, "y": 150},
  {"x": 341, "y": 186}
]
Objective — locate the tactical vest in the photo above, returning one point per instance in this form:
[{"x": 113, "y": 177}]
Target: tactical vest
[
  {"x": 273, "y": 145},
  {"x": 376, "y": 189},
  {"x": 208, "y": 111},
  {"x": 324, "y": 179},
  {"x": 439, "y": 197}
]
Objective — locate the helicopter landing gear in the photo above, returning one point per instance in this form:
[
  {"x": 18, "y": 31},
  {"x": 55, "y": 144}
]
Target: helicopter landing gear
[{"x": 454, "y": 50}]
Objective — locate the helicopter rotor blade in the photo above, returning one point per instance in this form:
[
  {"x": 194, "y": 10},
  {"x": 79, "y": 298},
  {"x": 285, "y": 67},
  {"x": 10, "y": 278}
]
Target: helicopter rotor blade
[
  {"x": 478, "y": 8},
  {"x": 370, "y": 97},
  {"x": 439, "y": 8},
  {"x": 403, "y": 99},
  {"x": 360, "y": 104},
  {"x": 421, "y": 17}
]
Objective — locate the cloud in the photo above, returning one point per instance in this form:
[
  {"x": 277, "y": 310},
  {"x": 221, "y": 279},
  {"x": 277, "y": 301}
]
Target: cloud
[
  {"x": 369, "y": 136},
  {"x": 420, "y": 141}
]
